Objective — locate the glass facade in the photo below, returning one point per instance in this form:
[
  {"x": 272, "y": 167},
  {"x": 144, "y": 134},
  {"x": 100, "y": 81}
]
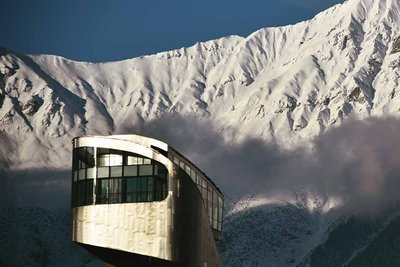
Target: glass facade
[
  {"x": 106, "y": 176},
  {"x": 212, "y": 197}
]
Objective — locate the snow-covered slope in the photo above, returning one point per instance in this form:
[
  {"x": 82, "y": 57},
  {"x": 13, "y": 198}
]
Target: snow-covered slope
[{"x": 285, "y": 84}]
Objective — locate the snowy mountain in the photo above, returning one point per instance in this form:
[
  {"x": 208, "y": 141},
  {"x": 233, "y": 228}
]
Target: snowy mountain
[{"x": 287, "y": 85}]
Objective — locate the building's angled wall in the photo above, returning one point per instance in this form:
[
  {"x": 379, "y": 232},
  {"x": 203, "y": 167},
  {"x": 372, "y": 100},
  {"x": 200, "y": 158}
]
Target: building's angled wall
[{"x": 195, "y": 239}]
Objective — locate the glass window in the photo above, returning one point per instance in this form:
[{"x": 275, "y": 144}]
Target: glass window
[
  {"x": 81, "y": 175},
  {"x": 176, "y": 160},
  {"x": 130, "y": 171},
  {"x": 215, "y": 211},
  {"x": 81, "y": 192},
  {"x": 89, "y": 191},
  {"x": 193, "y": 176},
  {"x": 215, "y": 197},
  {"x": 138, "y": 180},
  {"x": 115, "y": 160},
  {"x": 116, "y": 172},
  {"x": 115, "y": 190},
  {"x": 81, "y": 157},
  {"x": 204, "y": 192},
  {"x": 131, "y": 160},
  {"x": 182, "y": 165},
  {"x": 203, "y": 183},
  {"x": 102, "y": 193},
  {"x": 161, "y": 171},
  {"x": 187, "y": 169},
  {"x": 103, "y": 160},
  {"x": 150, "y": 188},
  {"x": 90, "y": 157},
  {"x": 215, "y": 224},
  {"x": 91, "y": 173},
  {"x": 103, "y": 172},
  {"x": 131, "y": 184},
  {"x": 143, "y": 184},
  {"x": 220, "y": 214},
  {"x": 145, "y": 170}
]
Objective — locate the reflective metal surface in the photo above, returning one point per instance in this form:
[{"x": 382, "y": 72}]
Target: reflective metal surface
[{"x": 176, "y": 229}]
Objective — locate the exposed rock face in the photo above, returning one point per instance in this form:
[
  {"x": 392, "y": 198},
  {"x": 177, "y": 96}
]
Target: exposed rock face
[
  {"x": 396, "y": 45},
  {"x": 284, "y": 84},
  {"x": 33, "y": 105}
]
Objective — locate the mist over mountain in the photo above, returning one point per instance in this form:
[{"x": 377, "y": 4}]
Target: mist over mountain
[{"x": 297, "y": 124}]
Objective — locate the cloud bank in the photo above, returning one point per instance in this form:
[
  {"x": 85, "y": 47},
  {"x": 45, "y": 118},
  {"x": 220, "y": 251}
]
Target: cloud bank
[{"x": 358, "y": 162}]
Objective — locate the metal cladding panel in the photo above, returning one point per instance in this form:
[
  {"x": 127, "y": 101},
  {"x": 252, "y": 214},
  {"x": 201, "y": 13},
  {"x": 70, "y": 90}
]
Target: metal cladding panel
[{"x": 141, "y": 228}]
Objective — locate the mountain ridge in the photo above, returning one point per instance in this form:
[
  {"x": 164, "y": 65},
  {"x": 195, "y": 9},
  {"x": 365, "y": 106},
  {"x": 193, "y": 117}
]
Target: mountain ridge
[{"x": 282, "y": 85}]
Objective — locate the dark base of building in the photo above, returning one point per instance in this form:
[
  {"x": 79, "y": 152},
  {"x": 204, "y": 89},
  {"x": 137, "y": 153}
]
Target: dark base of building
[{"x": 117, "y": 258}]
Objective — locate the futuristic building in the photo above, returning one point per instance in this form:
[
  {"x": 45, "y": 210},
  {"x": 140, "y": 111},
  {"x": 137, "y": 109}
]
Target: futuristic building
[{"x": 138, "y": 202}]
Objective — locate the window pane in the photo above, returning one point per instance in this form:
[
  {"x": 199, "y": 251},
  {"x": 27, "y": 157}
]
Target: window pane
[
  {"x": 103, "y": 160},
  {"x": 131, "y": 197},
  {"x": 182, "y": 164},
  {"x": 82, "y": 157},
  {"x": 103, "y": 186},
  {"x": 220, "y": 201},
  {"x": 115, "y": 160},
  {"x": 187, "y": 169},
  {"x": 90, "y": 157},
  {"x": 176, "y": 160},
  {"x": 130, "y": 171},
  {"x": 115, "y": 190},
  {"x": 150, "y": 184},
  {"x": 82, "y": 164},
  {"x": 215, "y": 197},
  {"x": 219, "y": 214},
  {"x": 162, "y": 171},
  {"x": 102, "y": 191},
  {"x": 82, "y": 174},
  {"x": 215, "y": 224},
  {"x": 204, "y": 193},
  {"x": 103, "y": 172},
  {"x": 210, "y": 196},
  {"x": 215, "y": 212},
  {"x": 91, "y": 173},
  {"x": 75, "y": 176},
  {"x": 146, "y": 161},
  {"x": 143, "y": 184},
  {"x": 145, "y": 170},
  {"x": 89, "y": 191},
  {"x": 131, "y": 160},
  {"x": 81, "y": 192},
  {"x": 193, "y": 176},
  {"x": 131, "y": 184},
  {"x": 116, "y": 172}
]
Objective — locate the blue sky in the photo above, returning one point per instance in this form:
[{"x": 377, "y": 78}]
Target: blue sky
[{"x": 108, "y": 30}]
